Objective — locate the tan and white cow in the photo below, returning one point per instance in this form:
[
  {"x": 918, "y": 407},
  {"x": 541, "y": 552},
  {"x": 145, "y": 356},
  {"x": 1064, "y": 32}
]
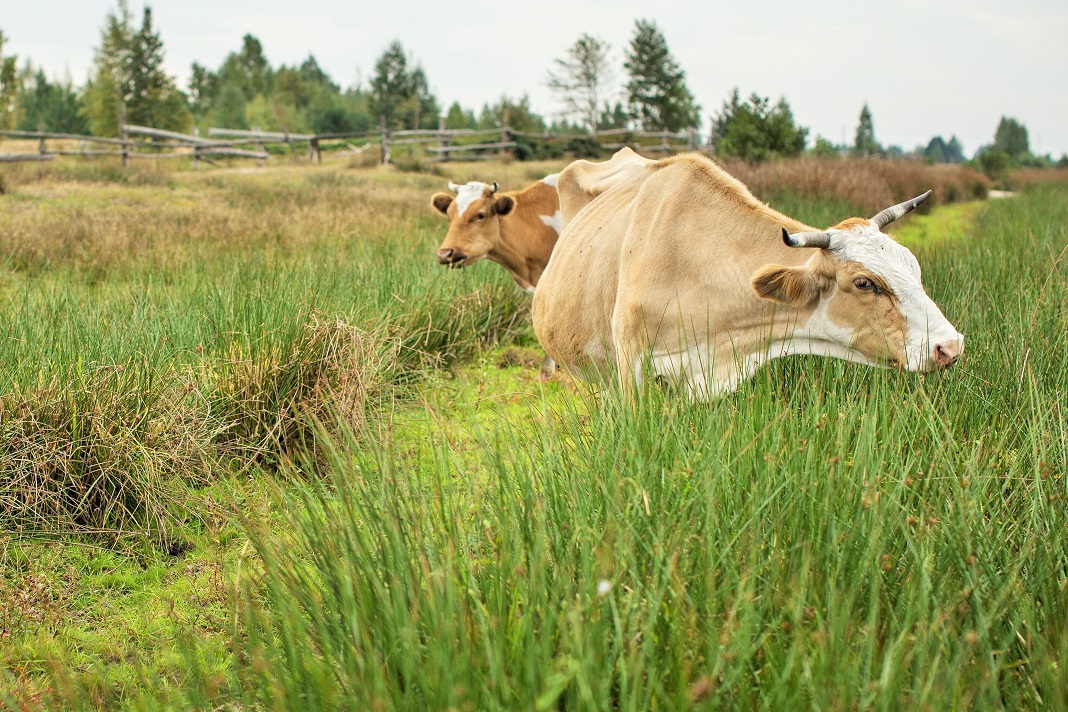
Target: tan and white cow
[
  {"x": 517, "y": 229},
  {"x": 672, "y": 268}
]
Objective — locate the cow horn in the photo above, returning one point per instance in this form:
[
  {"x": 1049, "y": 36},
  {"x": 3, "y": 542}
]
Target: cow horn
[
  {"x": 454, "y": 187},
  {"x": 495, "y": 188},
  {"x": 893, "y": 213},
  {"x": 806, "y": 239}
]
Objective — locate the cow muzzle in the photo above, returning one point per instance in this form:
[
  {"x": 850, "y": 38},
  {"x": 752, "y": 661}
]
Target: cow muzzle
[
  {"x": 946, "y": 353},
  {"x": 451, "y": 256}
]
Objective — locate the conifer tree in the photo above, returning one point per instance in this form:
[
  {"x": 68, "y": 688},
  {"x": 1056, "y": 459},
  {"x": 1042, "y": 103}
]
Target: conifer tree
[
  {"x": 129, "y": 71},
  {"x": 657, "y": 95},
  {"x": 151, "y": 97},
  {"x": 865, "y": 143},
  {"x": 9, "y": 88},
  {"x": 1011, "y": 137},
  {"x": 400, "y": 94}
]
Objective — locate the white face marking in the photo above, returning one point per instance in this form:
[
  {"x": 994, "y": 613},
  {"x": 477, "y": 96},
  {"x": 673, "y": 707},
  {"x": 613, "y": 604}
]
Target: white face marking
[
  {"x": 925, "y": 323},
  {"x": 556, "y": 222},
  {"x": 550, "y": 179},
  {"x": 468, "y": 194}
]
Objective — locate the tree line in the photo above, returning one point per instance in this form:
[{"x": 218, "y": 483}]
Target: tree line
[{"x": 247, "y": 91}]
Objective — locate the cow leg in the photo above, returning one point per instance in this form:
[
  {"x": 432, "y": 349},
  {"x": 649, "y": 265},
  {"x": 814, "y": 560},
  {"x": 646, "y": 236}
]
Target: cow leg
[
  {"x": 629, "y": 342},
  {"x": 548, "y": 368}
]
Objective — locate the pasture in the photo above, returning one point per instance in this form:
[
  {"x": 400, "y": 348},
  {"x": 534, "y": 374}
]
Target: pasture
[{"x": 260, "y": 451}]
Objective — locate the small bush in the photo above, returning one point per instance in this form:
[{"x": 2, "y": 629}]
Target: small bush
[
  {"x": 416, "y": 165},
  {"x": 536, "y": 149},
  {"x": 330, "y": 367},
  {"x": 585, "y": 147},
  {"x": 105, "y": 450}
]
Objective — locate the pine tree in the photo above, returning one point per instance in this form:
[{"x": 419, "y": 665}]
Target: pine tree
[
  {"x": 954, "y": 151},
  {"x": 613, "y": 117},
  {"x": 581, "y": 79},
  {"x": 230, "y": 108},
  {"x": 657, "y": 96},
  {"x": 865, "y": 143},
  {"x": 1011, "y": 137},
  {"x": 203, "y": 86},
  {"x": 402, "y": 95},
  {"x": 54, "y": 105},
  {"x": 460, "y": 118},
  {"x": 9, "y": 88},
  {"x": 151, "y": 96},
  {"x": 129, "y": 71},
  {"x": 936, "y": 150},
  {"x": 104, "y": 93}
]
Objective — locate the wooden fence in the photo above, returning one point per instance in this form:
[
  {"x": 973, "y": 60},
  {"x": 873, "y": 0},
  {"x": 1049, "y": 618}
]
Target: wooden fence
[{"x": 441, "y": 144}]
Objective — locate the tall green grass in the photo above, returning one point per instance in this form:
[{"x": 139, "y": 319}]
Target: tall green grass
[
  {"x": 129, "y": 376},
  {"x": 829, "y": 536}
]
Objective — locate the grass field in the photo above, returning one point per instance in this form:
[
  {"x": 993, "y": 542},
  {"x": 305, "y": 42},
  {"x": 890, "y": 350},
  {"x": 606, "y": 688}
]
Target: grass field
[{"x": 260, "y": 451}]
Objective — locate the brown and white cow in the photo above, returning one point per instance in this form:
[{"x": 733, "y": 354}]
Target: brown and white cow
[
  {"x": 517, "y": 229},
  {"x": 672, "y": 268}
]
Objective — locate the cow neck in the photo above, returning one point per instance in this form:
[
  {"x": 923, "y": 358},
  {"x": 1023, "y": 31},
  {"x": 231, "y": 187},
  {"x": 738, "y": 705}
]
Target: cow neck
[{"x": 518, "y": 255}]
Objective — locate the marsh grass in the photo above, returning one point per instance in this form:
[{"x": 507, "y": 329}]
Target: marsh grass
[
  {"x": 867, "y": 186},
  {"x": 830, "y": 536},
  {"x": 274, "y": 350},
  {"x": 155, "y": 337}
]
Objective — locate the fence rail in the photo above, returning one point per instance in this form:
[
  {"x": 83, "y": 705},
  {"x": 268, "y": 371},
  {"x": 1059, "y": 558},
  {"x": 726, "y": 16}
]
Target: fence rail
[{"x": 145, "y": 142}]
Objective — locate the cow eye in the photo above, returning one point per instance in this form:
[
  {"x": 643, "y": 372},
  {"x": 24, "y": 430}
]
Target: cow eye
[
  {"x": 482, "y": 216},
  {"x": 864, "y": 284}
]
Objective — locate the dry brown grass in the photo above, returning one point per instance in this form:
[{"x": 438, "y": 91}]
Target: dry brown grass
[
  {"x": 1034, "y": 176},
  {"x": 101, "y": 451},
  {"x": 869, "y": 185}
]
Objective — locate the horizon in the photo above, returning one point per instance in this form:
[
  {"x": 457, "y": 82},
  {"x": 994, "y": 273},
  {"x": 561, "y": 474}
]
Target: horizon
[{"x": 996, "y": 61}]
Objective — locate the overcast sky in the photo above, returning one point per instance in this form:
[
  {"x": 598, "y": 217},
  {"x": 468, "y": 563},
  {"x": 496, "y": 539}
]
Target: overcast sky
[{"x": 925, "y": 67}]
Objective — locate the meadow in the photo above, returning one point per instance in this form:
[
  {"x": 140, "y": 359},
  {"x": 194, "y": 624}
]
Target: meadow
[{"x": 260, "y": 451}]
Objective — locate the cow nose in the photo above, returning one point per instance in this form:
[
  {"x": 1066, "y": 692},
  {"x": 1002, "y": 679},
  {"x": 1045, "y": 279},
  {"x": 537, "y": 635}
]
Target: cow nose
[
  {"x": 947, "y": 354},
  {"x": 448, "y": 255}
]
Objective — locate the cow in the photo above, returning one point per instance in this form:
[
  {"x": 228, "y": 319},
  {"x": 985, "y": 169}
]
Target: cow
[
  {"x": 516, "y": 229},
  {"x": 671, "y": 269}
]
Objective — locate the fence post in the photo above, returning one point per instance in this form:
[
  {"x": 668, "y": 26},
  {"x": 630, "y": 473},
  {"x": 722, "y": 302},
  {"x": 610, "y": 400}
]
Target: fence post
[
  {"x": 314, "y": 155},
  {"x": 124, "y": 135},
  {"x": 385, "y": 142},
  {"x": 260, "y": 149},
  {"x": 691, "y": 138},
  {"x": 444, "y": 155},
  {"x": 196, "y": 157},
  {"x": 665, "y": 147},
  {"x": 506, "y": 131}
]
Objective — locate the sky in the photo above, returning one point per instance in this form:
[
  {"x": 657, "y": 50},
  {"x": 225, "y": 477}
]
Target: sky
[{"x": 925, "y": 67}]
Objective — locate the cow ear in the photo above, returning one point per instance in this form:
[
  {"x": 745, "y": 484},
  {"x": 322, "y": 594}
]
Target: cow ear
[
  {"x": 441, "y": 202},
  {"x": 793, "y": 286},
  {"x": 504, "y": 205}
]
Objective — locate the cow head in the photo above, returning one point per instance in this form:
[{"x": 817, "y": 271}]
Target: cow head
[
  {"x": 864, "y": 295},
  {"x": 474, "y": 226}
]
